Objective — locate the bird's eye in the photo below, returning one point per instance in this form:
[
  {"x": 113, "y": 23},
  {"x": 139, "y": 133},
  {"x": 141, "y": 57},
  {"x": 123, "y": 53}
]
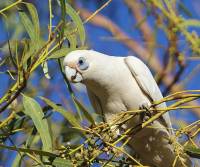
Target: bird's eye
[{"x": 82, "y": 64}]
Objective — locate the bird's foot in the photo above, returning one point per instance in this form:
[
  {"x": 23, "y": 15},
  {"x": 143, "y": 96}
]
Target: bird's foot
[{"x": 145, "y": 115}]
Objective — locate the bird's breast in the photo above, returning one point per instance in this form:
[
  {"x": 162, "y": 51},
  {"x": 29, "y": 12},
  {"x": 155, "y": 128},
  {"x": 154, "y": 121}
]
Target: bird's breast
[{"x": 116, "y": 88}]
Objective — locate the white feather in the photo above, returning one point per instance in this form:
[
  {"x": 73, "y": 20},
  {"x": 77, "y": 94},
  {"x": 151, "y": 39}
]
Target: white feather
[{"x": 117, "y": 84}]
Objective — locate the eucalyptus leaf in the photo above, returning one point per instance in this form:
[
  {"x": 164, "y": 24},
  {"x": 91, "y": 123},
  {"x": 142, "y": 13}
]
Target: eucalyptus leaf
[
  {"x": 69, "y": 116},
  {"x": 77, "y": 20},
  {"x": 32, "y": 27},
  {"x": 60, "y": 53},
  {"x": 27, "y": 24},
  {"x": 29, "y": 150},
  {"x": 63, "y": 52},
  {"x": 85, "y": 112},
  {"x": 35, "y": 20},
  {"x": 71, "y": 36},
  {"x": 33, "y": 109},
  {"x": 60, "y": 162}
]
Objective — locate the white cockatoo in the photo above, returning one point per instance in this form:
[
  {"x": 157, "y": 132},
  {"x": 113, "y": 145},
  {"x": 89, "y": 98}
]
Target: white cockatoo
[{"x": 119, "y": 84}]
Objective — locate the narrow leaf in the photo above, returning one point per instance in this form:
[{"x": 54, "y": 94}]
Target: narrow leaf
[
  {"x": 77, "y": 20},
  {"x": 87, "y": 115},
  {"x": 27, "y": 24},
  {"x": 33, "y": 109},
  {"x": 29, "y": 150},
  {"x": 62, "y": 52},
  {"x": 69, "y": 116},
  {"x": 60, "y": 162},
  {"x": 35, "y": 20},
  {"x": 71, "y": 35}
]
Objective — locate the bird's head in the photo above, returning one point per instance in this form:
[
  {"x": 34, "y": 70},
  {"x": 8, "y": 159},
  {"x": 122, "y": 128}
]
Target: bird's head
[
  {"x": 89, "y": 67},
  {"x": 78, "y": 65}
]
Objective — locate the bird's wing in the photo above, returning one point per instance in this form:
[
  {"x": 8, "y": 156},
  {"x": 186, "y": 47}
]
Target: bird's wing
[
  {"x": 96, "y": 104},
  {"x": 146, "y": 82}
]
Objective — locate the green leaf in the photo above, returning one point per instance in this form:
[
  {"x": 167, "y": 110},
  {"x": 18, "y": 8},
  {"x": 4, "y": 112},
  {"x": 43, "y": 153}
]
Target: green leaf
[
  {"x": 35, "y": 20},
  {"x": 32, "y": 139},
  {"x": 62, "y": 52},
  {"x": 60, "y": 162},
  {"x": 192, "y": 151},
  {"x": 29, "y": 150},
  {"x": 22, "y": 154},
  {"x": 27, "y": 24},
  {"x": 77, "y": 20},
  {"x": 69, "y": 116},
  {"x": 33, "y": 109},
  {"x": 72, "y": 41},
  {"x": 71, "y": 36},
  {"x": 27, "y": 53},
  {"x": 34, "y": 17},
  {"x": 32, "y": 27},
  {"x": 87, "y": 115}
]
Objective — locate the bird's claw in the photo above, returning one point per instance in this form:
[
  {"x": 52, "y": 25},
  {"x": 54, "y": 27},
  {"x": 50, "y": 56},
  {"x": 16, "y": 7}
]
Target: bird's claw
[{"x": 145, "y": 115}]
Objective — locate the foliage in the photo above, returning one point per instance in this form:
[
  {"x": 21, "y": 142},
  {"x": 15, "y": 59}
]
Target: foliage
[{"x": 30, "y": 48}]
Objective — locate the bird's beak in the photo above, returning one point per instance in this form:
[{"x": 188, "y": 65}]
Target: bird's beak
[{"x": 73, "y": 75}]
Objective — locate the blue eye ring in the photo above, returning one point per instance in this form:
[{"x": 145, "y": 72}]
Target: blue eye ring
[{"x": 82, "y": 64}]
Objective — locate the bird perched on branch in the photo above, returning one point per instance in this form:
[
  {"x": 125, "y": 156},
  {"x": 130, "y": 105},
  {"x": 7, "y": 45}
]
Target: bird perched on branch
[{"x": 119, "y": 84}]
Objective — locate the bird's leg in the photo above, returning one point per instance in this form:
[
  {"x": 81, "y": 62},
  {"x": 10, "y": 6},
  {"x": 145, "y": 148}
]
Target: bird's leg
[{"x": 145, "y": 115}]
